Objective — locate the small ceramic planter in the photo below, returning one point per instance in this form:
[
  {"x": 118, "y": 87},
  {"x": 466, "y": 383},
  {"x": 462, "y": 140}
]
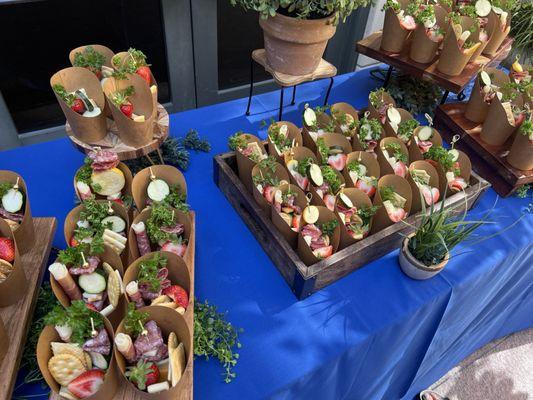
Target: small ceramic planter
[{"x": 415, "y": 269}]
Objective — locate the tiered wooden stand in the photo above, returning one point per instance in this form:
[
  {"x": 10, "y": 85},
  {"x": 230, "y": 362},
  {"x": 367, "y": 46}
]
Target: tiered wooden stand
[
  {"x": 305, "y": 280},
  {"x": 17, "y": 317},
  {"x": 490, "y": 161}
]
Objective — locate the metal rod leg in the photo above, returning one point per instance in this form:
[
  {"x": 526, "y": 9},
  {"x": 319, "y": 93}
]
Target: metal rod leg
[
  {"x": 293, "y": 95},
  {"x": 461, "y": 95},
  {"x": 280, "y": 104},
  {"x": 444, "y": 97},
  {"x": 251, "y": 86},
  {"x": 160, "y": 156},
  {"x": 329, "y": 91},
  {"x": 387, "y": 78}
]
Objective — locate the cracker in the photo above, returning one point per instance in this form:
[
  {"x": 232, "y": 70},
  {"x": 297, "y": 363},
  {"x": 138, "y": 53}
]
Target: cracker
[
  {"x": 65, "y": 368},
  {"x": 69, "y": 348},
  {"x": 114, "y": 288},
  {"x": 88, "y": 360},
  {"x": 107, "y": 268},
  {"x": 169, "y": 304},
  {"x": 178, "y": 363},
  {"x": 114, "y": 235},
  {"x": 161, "y": 299},
  {"x": 5, "y": 267}
]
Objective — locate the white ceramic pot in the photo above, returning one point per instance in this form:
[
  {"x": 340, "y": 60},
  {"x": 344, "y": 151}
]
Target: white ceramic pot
[{"x": 414, "y": 268}]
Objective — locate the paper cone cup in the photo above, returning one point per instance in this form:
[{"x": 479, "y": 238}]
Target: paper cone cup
[
  {"x": 44, "y": 354},
  {"x": 280, "y": 172},
  {"x": 126, "y": 190},
  {"x": 301, "y": 201},
  {"x": 406, "y": 115},
  {"x": 433, "y": 182},
  {"x": 367, "y": 159},
  {"x": 358, "y": 146},
  {"x": 112, "y": 258},
  {"x": 358, "y": 198},
  {"x": 394, "y": 36},
  {"x": 452, "y": 59},
  {"x": 87, "y": 129},
  {"x": 178, "y": 274},
  {"x": 169, "y": 321},
  {"x": 476, "y": 108},
  {"x": 401, "y": 186},
  {"x": 179, "y": 216},
  {"x": 374, "y": 113},
  {"x": 465, "y": 167},
  {"x": 423, "y": 50},
  {"x": 171, "y": 175},
  {"x": 293, "y": 134},
  {"x": 132, "y": 133},
  {"x": 335, "y": 139},
  {"x": 521, "y": 153},
  {"x": 305, "y": 252},
  {"x": 475, "y": 37},
  {"x": 496, "y": 34},
  {"x": 499, "y": 124},
  {"x": 323, "y": 120},
  {"x": 245, "y": 165},
  {"x": 4, "y": 341},
  {"x": 122, "y": 56},
  {"x": 106, "y": 51},
  {"x": 341, "y": 109},
  {"x": 414, "y": 151},
  {"x": 298, "y": 153},
  {"x": 11, "y": 289},
  {"x": 25, "y": 233},
  {"x": 317, "y": 200},
  {"x": 384, "y": 165}
]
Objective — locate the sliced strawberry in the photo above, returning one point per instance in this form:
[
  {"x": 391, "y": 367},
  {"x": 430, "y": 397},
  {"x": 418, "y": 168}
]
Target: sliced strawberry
[
  {"x": 338, "y": 161},
  {"x": 400, "y": 169},
  {"x": 144, "y": 72},
  {"x": 366, "y": 187},
  {"x": 87, "y": 383},
  {"x": 268, "y": 193},
  {"x": 329, "y": 200},
  {"x": 178, "y": 295},
  {"x": 143, "y": 374},
  {"x": 302, "y": 181},
  {"x": 431, "y": 195},
  {"x": 91, "y": 306},
  {"x": 457, "y": 184},
  {"x": 323, "y": 252},
  {"x": 7, "y": 249},
  {"x": 127, "y": 109},
  {"x": 397, "y": 215},
  {"x": 78, "y": 106},
  {"x": 174, "y": 247},
  {"x": 424, "y": 145},
  {"x": 519, "y": 119},
  {"x": 296, "y": 222},
  {"x": 408, "y": 23}
]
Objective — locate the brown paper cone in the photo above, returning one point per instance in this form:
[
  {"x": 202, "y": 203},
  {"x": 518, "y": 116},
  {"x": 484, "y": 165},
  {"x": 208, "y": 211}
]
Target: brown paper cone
[
  {"x": 44, "y": 354},
  {"x": 406, "y": 115},
  {"x": 135, "y": 134},
  {"x": 127, "y": 190},
  {"x": 317, "y": 200},
  {"x": 394, "y": 36},
  {"x": 169, "y": 321},
  {"x": 323, "y": 120},
  {"x": 367, "y": 159},
  {"x": 112, "y": 258},
  {"x": 374, "y": 113},
  {"x": 179, "y": 216},
  {"x": 280, "y": 172},
  {"x": 301, "y": 201},
  {"x": 496, "y": 35},
  {"x": 414, "y": 151},
  {"x": 87, "y": 129},
  {"x": 335, "y": 139},
  {"x": 178, "y": 274},
  {"x": 521, "y": 153},
  {"x": 433, "y": 182},
  {"x": 475, "y": 37},
  {"x": 358, "y": 146},
  {"x": 305, "y": 252},
  {"x": 476, "y": 108},
  {"x": 499, "y": 124},
  {"x": 11, "y": 289},
  {"x": 465, "y": 167},
  {"x": 293, "y": 134},
  {"x": 401, "y": 186},
  {"x": 245, "y": 165},
  {"x": 341, "y": 109},
  {"x": 106, "y": 51},
  {"x": 4, "y": 341},
  {"x": 384, "y": 165},
  {"x": 452, "y": 59},
  {"x": 423, "y": 50},
  {"x": 122, "y": 56},
  {"x": 358, "y": 198},
  {"x": 298, "y": 153},
  {"x": 25, "y": 233},
  {"x": 171, "y": 175}
]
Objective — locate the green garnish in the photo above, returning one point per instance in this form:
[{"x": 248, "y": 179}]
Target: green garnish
[
  {"x": 331, "y": 177},
  {"x": 440, "y": 155},
  {"x": 120, "y": 97},
  {"x": 72, "y": 255},
  {"x": 366, "y": 213},
  {"x": 376, "y": 96},
  {"x": 303, "y": 166},
  {"x": 276, "y": 137},
  {"x": 93, "y": 212},
  {"x": 387, "y": 193},
  {"x": 177, "y": 199},
  {"x": 427, "y": 14},
  {"x": 161, "y": 215},
  {"x": 396, "y": 151},
  {"x": 138, "y": 373},
  {"x": 90, "y": 59},
  {"x": 4, "y": 188},
  {"x": 64, "y": 95},
  {"x": 237, "y": 141},
  {"x": 526, "y": 128},
  {"x": 406, "y": 129},
  {"x": 131, "y": 63},
  {"x": 375, "y": 130},
  {"x": 134, "y": 321},
  {"x": 267, "y": 168},
  {"x": 148, "y": 271},
  {"x": 392, "y": 5},
  {"x": 323, "y": 150},
  {"x": 328, "y": 228}
]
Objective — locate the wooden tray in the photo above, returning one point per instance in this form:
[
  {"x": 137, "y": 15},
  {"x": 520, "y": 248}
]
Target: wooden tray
[
  {"x": 125, "y": 392},
  {"x": 370, "y": 46},
  {"x": 489, "y": 160},
  {"x": 113, "y": 142},
  {"x": 17, "y": 317},
  {"x": 302, "y": 279}
]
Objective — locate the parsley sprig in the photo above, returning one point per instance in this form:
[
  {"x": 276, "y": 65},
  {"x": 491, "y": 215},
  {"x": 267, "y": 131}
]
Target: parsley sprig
[
  {"x": 328, "y": 228},
  {"x": 406, "y": 129},
  {"x": 396, "y": 151},
  {"x": 90, "y": 59},
  {"x": 331, "y": 177},
  {"x": 160, "y": 215},
  {"x": 93, "y": 212},
  {"x": 148, "y": 271},
  {"x": 177, "y": 199},
  {"x": 64, "y": 95},
  {"x": 237, "y": 141},
  {"x": 4, "y": 188},
  {"x": 303, "y": 165},
  {"x": 132, "y": 319},
  {"x": 440, "y": 155}
]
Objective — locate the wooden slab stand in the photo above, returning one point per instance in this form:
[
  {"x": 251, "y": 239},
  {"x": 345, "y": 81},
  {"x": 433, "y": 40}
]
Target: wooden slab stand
[
  {"x": 371, "y": 47},
  {"x": 17, "y": 317},
  {"x": 302, "y": 279},
  {"x": 489, "y": 161}
]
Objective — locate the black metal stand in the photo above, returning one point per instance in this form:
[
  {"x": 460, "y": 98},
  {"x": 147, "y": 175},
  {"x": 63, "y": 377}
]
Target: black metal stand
[
  {"x": 444, "y": 97},
  {"x": 387, "y": 78}
]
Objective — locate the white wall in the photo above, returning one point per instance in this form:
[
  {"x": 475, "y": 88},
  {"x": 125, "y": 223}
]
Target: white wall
[{"x": 373, "y": 24}]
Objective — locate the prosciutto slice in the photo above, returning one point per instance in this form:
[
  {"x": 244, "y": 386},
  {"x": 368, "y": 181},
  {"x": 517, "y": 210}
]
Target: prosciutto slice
[
  {"x": 103, "y": 160},
  {"x": 177, "y": 229},
  {"x": 99, "y": 344},
  {"x": 93, "y": 262},
  {"x": 17, "y": 217},
  {"x": 311, "y": 230}
]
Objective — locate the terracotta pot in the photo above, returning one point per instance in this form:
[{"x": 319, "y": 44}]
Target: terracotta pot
[
  {"x": 521, "y": 153},
  {"x": 295, "y": 46},
  {"x": 415, "y": 269}
]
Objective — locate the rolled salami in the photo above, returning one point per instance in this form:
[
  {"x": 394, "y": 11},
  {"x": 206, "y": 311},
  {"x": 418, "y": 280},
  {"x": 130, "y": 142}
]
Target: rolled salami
[
  {"x": 132, "y": 289},
  {"x": 62, "y": 276},
  {"x": 125, "y": 346},
  {"x": 143, "y": 243}
]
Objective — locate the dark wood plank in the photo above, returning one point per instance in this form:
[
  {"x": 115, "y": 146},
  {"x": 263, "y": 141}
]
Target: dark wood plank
[
  {"x": 17, "y": 317},
  {"x": 370, "y": 46}
]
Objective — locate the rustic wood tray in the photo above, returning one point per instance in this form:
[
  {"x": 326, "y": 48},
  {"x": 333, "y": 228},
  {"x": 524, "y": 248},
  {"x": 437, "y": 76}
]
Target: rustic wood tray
[
  {"x": 17, "y": 317},
  {"x": 371, "y": 47},
  {"x": 125, "y": 392},
  {"x": 490, "y": 161},
  {"x": 302, "y": 279}
]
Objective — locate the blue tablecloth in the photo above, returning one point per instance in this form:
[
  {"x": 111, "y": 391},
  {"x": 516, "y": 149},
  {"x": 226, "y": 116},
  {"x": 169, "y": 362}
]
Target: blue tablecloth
[{"x": 375, "y": 334}]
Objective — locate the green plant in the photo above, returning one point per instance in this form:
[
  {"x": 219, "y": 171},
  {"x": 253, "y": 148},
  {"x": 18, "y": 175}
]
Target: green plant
[
  {"x": 331, "y": 177},
  {"x": 522, "y": 28},
  {"x": 414, "y": 95},
  {"x": 523, "y": 191},
  {"x": 90, "y": 59}
]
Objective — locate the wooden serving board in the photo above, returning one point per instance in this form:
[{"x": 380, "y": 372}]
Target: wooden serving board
[
  {"x": 371, "y": 47},
  {"x": 17, "y": 317},
  {"x": 490, "y": 161},
  {"x": 125, "y": 392}
]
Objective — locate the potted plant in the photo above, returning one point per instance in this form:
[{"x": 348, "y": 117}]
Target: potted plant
[{"x": 296, "y": 32}]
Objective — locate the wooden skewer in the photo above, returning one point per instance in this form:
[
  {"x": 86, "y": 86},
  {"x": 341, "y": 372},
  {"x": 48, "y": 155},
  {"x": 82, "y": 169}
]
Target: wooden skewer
[
  {"x": 110, "y": 209},
  {"x": 16, "y": 185},
  {"x": 94, "y": 332},
  {"x": 85, "y": 263},
  {"x": 152, "y": 175},
  {"x": 144, "y": 331}
]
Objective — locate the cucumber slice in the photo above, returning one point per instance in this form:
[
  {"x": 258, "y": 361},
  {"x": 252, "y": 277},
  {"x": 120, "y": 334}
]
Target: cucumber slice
[
  {"x": 92, "y": 283},
  {"x": 485, "y": 78},
  {"x": 292, "y": 165},
  {"x": 335, "y": 150},
  {"x": 94, "y": 113},
  {"x": 316, "y": 175},
  {"x": 483, "y": 8},
  {"x": 158, "y": 189},
  {"x": 309, "y": 117},
  {"x": 98, "y": 360},
  {"x": 117, "y": 224},
  {"x": 284, "y": 130},
  {"x": 346, "y": 200},
  {"x": 425, "y": 133},
  {"x": 394, "y": 116},
  {"x": 497, "y": 10},
  {"x": 455, "y": 154},
  {"x": 310, "y": 214},
  {"x": 12, "y": 201},
  {"x": 83, "y": 96}
]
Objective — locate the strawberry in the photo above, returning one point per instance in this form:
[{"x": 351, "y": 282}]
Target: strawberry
[
  {"x": 431, "y": 195},
  {"x": 366, "y": 187},
  {"x": 143, "y": 374},
  {"x": 408, "y": 23},
  {"x": 323, "y": 252},
  {"x": 73, "y": 242},
  {"x": 338, "y": 161},
  {"x": 400, "y": 169},
  {"x": 268, "y": 193},
  {"x": 329, "y": 200},
  {"x": 78, "y": 106},
  {"x": 175, "y": 247},
  {"x": 296, "y": 222},
  {"x": 87, "y": 383},
  {"x": 91, "y": 306},
  {"x": 397, "y": 215},
  {"x": 118, "y": 201},
  {"x": 7, "y": 249},
  {"x": 302, "y": 181},
  {"x": 127, "y": 109},
  {"x": 144, "y": 72},
  {"x": 178, "y": 295},
  {"x": 519, "y": 119}
]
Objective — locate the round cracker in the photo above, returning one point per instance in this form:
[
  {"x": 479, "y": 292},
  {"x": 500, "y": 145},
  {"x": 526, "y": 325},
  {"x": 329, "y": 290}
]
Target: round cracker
[
  {"x": 69, "y": 348},
  {"x": 65, "y": 368},
  {"x": 114, "y": 288}
]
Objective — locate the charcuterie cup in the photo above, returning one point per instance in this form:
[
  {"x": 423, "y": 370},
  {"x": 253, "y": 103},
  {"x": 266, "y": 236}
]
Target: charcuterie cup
[
  {"x": 359, "y": 199},
  {"x": 12, "y": 287},
  {"x": 477, "y": 108},
  {"x": 399, "y": 185},
  {"x": 416, "y": 204},
  {"x": 279, "y": 174},
  {"x": 284, "y": 228}
]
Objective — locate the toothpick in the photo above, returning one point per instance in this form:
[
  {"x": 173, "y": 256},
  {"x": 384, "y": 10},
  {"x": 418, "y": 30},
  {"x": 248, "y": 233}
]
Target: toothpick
[
  {"x": 110, "y": 209},
  {"x": 152, "y": 175},
  {"x": 85, "y": 263},
  {"x": 359, "y": 158},
  {"x": 429, "y": 119},
  {"x": 309, "y": 197},
  {"x": 367, "y": 114},
  {"x": 144, "y": 331},
  {"x": 16, "y": 185},
  {"x": 455, "y": 139},
  {"x": 172, "y": 215},
  {"x": 94, "y": 332}
]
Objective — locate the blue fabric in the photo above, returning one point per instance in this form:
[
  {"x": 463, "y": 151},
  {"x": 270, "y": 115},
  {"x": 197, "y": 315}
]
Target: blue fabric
[{"x": 375, "y": 334}]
